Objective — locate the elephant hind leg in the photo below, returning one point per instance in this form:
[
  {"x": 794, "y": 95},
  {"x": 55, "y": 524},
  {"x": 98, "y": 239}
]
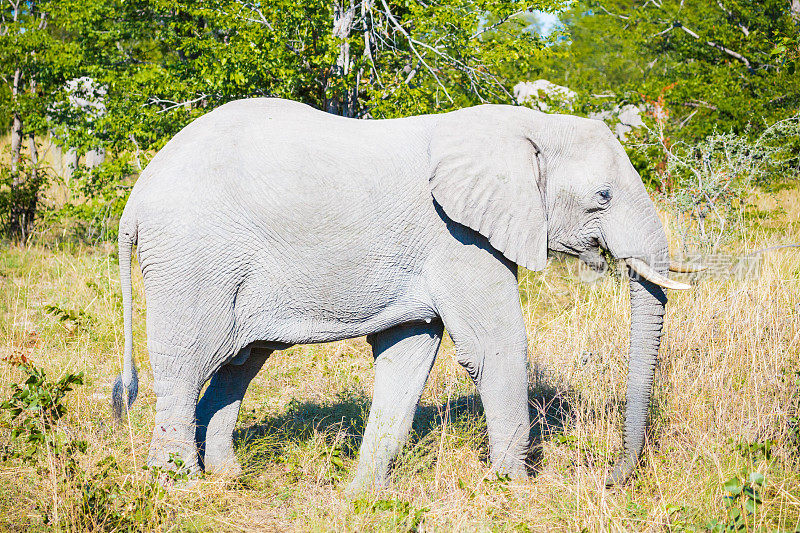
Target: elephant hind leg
[
  {"x": 218, "y": 411},
  {"x": 404, "y": 356},
  {"x": 176, "y": 403}
]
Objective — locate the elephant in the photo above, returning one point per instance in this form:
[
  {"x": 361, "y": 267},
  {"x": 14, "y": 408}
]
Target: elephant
[{"x": 267, "y": 223}]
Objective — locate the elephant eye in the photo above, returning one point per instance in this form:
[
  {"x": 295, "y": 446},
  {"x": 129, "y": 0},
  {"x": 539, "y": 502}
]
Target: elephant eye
[{"x": 603, "y": 196}]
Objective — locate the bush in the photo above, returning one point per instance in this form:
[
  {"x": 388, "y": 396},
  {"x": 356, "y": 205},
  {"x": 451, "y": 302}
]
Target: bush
[
  {"x": 34, "y": 409},
  {"x": 707, "y": 184},
  {"x": 95, "y": 198},
  {"x": 19, "y": 198},
  {"x": 93, "y": 498}
]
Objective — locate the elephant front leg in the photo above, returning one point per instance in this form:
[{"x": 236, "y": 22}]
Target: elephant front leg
[
  {"x": 500, "y": 374},
  {"x": 218, "y": 411},
  {"x": 485, "y": 321},
  {"x": 404, "y": 356}
]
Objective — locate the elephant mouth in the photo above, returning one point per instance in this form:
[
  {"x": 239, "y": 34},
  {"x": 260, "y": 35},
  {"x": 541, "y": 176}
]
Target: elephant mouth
[
  {"x": 594, "y": 259},
  {"x": 638, "y": 269}
]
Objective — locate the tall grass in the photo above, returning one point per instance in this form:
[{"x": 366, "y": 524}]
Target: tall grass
[{"x": 726, "y": 404}]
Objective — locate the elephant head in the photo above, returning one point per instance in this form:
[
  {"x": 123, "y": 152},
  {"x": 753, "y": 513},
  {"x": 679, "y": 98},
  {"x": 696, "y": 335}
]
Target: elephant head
[{"x": 530, "y": 182}]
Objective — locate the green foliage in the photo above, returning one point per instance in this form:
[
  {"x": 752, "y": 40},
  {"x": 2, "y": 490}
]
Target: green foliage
[
  {"x": 33, "y": 410},
  {"x": 743, "y": 492},
  {"x": 72, "y": 320},
  {"x": 405, "y": 516},
  {"x": 723, "y": 65},
  {"x": 500, "y": 482},
  {"x": 593, "y": 452},
  {"x": 101, "y": 501},
  {"x": 336, "y": 456},
  {"x": 755, "y": 451},
  {"x": 106, "y": 504},
  {"x": 742, "y": 499},
  {"x": 175, "y": 471},
  {"x": 794, "y": 419},
  {"x": 39, "y": 55},
  {"x": 19, "y": 190}
]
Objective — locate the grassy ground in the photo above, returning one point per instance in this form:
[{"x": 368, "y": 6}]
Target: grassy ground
[{"x": 725, "y": 407}]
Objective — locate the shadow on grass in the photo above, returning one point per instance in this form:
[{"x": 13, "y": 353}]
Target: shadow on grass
[
  {"x": 552, "y": 408},
  {"x": 341, "y": 420}
]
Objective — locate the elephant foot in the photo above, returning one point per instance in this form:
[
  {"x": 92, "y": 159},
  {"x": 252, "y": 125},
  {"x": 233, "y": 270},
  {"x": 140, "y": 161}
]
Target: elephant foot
[
  {"x": 515, "y": 472},
  {"x": 173, "y": 455},
  {"x": 172, "y": 448},
  {"x": 222, "y": 463},
  {"x": 173, "y": 470},
  {"x": 361, "y": 485},
  {"x": 623, "y": 469}
]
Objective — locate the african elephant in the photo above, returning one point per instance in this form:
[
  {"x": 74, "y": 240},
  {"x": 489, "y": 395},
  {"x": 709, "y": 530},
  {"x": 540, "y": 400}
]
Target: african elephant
[{"x": 267, "y": 223}]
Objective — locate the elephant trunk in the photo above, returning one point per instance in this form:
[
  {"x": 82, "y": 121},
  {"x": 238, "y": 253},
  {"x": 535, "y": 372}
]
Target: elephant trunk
[
  {"x": 647, "y": 318},
  {"x": 648, "y": 262}
]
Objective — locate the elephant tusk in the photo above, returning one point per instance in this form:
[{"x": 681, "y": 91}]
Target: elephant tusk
[
  {"x": 680, "y": 266},
  {"x": 646, "y": 271}
]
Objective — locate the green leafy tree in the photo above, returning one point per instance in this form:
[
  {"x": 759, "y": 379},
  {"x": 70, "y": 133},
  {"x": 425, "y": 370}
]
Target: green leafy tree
[
  {"x": 727, "y": 64},
  {"x": 158, "y": 64},
  {"x": 34, "y": 62},
  {"x": 377, "y": 58}
]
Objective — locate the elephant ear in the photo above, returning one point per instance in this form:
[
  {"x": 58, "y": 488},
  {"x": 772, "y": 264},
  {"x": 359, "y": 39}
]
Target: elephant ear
[{"x": 487, "y": 174}]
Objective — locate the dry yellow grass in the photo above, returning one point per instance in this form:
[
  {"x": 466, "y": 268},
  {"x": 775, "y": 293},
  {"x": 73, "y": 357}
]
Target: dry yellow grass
[{"x": 728, "y": 376}]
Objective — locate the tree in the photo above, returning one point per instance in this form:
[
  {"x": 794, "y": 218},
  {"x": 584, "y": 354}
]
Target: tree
[
  {"x": 728, "y": 64},
  {"x": 376, "y": 58},
  {"x": 158, "y": 64},
  {"x": 33, "y": 62}
]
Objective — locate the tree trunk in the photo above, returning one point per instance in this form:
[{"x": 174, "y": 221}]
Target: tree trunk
[
  {"x": 16, "y": 126},
  {"x": 29, "y": 189},
  {"x": 95, "y": 157},
  {"x": 342, "y": 102},
  {"x": 796, "y": 10}
]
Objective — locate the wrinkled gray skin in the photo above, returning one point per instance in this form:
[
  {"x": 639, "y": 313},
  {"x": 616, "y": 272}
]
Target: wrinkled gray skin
[{"x": 266, "y": 223}]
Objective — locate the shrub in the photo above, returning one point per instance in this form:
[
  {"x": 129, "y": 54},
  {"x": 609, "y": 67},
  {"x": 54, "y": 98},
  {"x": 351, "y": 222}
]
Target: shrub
[
  {"x": 708, "y": 184},
  {"x": 19, "y": 198},
  {"x": 34, "y": 408}
]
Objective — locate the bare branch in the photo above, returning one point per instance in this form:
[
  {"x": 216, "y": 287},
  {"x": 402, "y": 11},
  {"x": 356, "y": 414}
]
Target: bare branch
[
  {"x": 15, "y": 9},
  {"x": 159, "y": 101},
  {"x": 136, "y": 152},
  {"x": 496, "y": 24},
  {"x": 734, "y": 54},
  {"x": 413, "y": 49},
  {"x": 700, "y": 103},
  {"x": 257, "y": 10},
  {"x": 687, "y": 119},
  {"x": 623, "y": 17},
  {"x": 659, "y": 34}
]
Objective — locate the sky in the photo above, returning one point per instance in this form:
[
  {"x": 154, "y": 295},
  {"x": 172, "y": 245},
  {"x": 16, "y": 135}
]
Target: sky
[{"x": 548, "y": 21}]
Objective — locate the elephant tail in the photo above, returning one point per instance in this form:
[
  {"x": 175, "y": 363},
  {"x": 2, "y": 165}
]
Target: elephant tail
[{"x": 126, "y": 386}]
